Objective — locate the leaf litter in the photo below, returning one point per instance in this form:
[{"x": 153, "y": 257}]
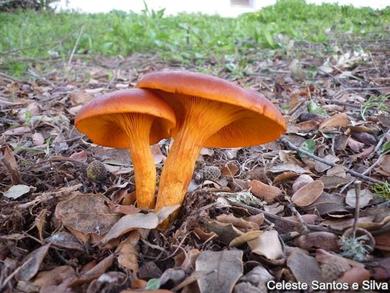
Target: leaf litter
[{"x": 272, "y": 212}]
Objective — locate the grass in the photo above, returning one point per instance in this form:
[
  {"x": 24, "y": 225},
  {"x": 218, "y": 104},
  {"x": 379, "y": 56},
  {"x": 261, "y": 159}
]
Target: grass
[{"x": 185, "y": 38}]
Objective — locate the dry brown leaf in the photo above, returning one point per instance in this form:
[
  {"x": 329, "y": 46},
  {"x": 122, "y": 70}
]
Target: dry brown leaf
[
  {"x": 264, "y": 191},
  {"x": 244, "y": 238},
  {"x": 355, "y": 145},
  {"x": 65, "y": 240},
  {"x": 32, "y": 263},
  {"x": 226, "y": 232},
  {"x": 17, "y": 131},
  {"x": 131, "y": 222},
  {"x": 384, "y": 167},
  {"x": 308, "y": 194},
  {"x": 382, "y": 242},
  {"x": 54, "y": 277},
  {"x": 80, "y": 98},
  {"x": 288, "y": 167},
  {"x": 321, "y": 167},
  {"x": 364, "y": 199},
  {"x": 40, "y": 222},
  {"x": 230, "y": 169},
  {"x": 128, "y": 253},
  {"x": 284, "y": 177},
  {"x": 86, "y": 213},
  {"x": 301, "y": 181},
  {"x": 222, "y": 268},
  {"x": 332, "y": 182},
  {"x": 305, "y": 268},
  {"x": 239, "y": 223},
  {"x": 355, "y": 275},
  {"x": 95, "y": 272},
  {"x": 314, "y": 240},
  {"x": 157, "y": 154},
  {"x": 8, "y": 159},
  {"x": 258, "y": 277},
  {"x": 338, "y": 171},
  {"x": 336, "y": 121},
  {"x": 268, "y": 245},
  {"x": 37, "y": 139}
]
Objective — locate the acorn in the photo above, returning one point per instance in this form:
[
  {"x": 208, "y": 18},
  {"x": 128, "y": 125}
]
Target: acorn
[
  {"x": 211, "y": 173},
  {"x": 96, "y": 171}
]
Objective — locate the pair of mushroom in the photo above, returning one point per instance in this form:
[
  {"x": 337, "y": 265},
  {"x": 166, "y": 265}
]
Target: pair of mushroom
[{"x": 196, "y": 110}]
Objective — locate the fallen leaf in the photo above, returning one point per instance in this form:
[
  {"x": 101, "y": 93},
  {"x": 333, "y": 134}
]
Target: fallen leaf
[
  {"x": 301, "y": 181},
  {"x": 314, "y": 240},
  {"x": 332, "y": 182},
  {"x": 258, "y": 277},
  {"x": 16, "y": 191},
  {"x": 54, "y": 277},
  {"x": 355, "y": 275},
  {"x": 267, "y": 244},
  {"x": 384, "y": 167},
  {"x": 131, "y": 222},
  {"x": 128, "y": 253},
  {"x": 172, "y": 276},
  {"x": 244, "y": 238},
  {"x": 305, "y": 268},
  {"x": 264, "y": 191},
  {"x": 355, "y": 145},
  {"x": 321, "y": 167},
  {"x": 239, "y": 223},
  {"x": 65, "y": 240},
  {"x": 32, "y": 263},
  {"x": 308, "y": 193},
  {"x": 108, "y": 282},
  {"x": 338, "y": 171},
  {"x": 95, "y": 272},
  {"x": 37, "y": 139},
  {"x": 80, "y": 98},
  {"x": 365, "y": 197},
  {"x": 288, "y": 167},
  {"x": 222, "y": 268},
  {"x": 336, "y": 121},
  {"x": 157, "y": 154},
  {"x": 8, "y": 159},
  {"x": 226, "y": 232},
  {"x": 230, "y": 169},
  {"x": 17, "y": 131},
  {"x": 86, "y": 213}
]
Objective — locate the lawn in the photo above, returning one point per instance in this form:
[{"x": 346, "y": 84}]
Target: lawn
[{"x": 184, "y": 38}]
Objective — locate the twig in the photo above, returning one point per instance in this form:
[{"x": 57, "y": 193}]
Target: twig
[
  {"x": 369, "y": 169},
  {"x": 302, "y": 225},
  {"x": 272, "y": 217},
  {"x": 75, "y": 46},
  {"x": 352, "y": 172},
  {"x": 358, "y": 184}
]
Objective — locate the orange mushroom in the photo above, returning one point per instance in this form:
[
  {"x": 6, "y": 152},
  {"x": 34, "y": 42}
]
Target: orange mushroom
[
  {"x": 131, "y": 119},
  {"x": 210, "y": 112}
]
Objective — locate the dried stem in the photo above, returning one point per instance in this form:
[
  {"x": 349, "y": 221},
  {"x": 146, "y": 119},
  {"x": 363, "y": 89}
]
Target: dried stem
[{"x": 352, "y": 172}]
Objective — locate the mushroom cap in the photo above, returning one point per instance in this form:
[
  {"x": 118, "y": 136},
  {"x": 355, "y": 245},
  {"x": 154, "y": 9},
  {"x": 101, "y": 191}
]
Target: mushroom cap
[
  {"x": 262, "y": 122},
  {"x": 99, "y": 119}
]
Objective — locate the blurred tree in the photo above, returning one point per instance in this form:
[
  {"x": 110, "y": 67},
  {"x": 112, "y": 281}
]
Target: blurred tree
[{"x": 11, "y": 5}]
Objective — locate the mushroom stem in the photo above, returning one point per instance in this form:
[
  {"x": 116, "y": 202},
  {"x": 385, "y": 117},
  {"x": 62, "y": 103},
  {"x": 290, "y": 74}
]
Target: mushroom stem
[
  {"x": 137, "y": 127},
  {"x": 193, "y": 132}
]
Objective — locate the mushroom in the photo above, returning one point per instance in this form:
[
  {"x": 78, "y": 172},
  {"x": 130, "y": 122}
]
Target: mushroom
[
  {"x": 210, "y": 112},
  {"x": 131, "y": 119}
]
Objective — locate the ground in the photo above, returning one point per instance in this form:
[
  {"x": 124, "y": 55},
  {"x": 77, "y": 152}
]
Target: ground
[{"x": 287, "y": 210}]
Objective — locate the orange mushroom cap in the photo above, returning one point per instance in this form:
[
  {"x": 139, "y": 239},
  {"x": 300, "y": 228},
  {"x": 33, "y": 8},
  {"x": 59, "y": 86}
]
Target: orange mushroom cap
[
  {"x": 262, "y": 122},
  {"x": 97, "y": 119}
]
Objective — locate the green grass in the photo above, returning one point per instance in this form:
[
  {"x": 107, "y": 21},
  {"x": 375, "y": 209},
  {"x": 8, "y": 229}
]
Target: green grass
[{"x": 186, "y": 38}]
